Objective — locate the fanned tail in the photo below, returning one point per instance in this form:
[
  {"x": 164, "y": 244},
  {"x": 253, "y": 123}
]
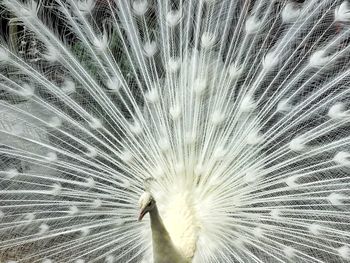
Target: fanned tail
[{"x": 243, "y": 105}]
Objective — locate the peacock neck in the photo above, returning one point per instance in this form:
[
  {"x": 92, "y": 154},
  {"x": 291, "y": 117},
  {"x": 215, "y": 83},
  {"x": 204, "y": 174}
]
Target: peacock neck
[
  {"x": 163, "y": 248},
  {"x": 157, "y": 223}
]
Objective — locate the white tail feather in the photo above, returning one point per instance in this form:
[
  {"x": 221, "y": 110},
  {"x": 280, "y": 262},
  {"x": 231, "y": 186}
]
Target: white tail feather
[{"x": 234, "y": 115}]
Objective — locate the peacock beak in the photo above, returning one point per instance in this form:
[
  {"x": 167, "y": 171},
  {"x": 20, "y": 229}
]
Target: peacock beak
[{"x": 142, "y": 214}]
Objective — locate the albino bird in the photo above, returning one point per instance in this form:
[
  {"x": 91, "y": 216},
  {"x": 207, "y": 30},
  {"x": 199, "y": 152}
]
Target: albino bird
[
  {"x": 182, "y": 231},
  {"x": 222, "y": 124}
]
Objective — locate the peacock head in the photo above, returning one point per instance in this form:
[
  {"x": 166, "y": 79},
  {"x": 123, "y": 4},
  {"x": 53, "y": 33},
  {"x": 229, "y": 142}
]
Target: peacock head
[{"x": 146, "y": 203}]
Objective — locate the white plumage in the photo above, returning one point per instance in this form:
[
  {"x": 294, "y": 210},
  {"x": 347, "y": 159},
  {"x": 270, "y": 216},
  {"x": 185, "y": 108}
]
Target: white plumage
[
  {"x": 227, "y": 120},
  {"x": 174, "y": 234}
]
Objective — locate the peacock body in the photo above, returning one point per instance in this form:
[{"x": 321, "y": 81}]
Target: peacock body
[{"x": 230, "y": 119}]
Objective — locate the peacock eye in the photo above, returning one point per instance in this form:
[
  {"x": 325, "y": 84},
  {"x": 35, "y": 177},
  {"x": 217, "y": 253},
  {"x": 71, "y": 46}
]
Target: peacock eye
[{"x": 149, "y": 204}]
